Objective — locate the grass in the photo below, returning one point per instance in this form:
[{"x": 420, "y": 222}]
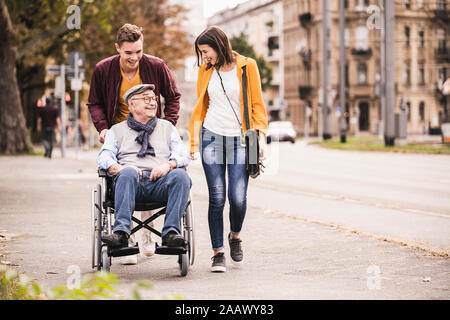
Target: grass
[{"x": 375, "y": 144}]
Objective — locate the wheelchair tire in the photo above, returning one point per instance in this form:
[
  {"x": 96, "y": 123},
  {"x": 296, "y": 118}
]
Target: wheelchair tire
[
  {"x": 106, "y": 260},
  {"x": 93, "y": 224},
  {"x": 184, "y": 263},
  {"x": 98, "y": 227},
  {"x": 189, "y": 231}
]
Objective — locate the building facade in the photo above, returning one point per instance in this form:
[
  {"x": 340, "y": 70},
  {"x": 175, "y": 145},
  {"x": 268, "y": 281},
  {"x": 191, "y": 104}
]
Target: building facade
[
  {"x": 262, "y": 22},
  {"x": 421, "y": 63}
]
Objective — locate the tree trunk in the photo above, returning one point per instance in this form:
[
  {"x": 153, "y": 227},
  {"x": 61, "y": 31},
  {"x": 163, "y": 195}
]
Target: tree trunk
[{"x": 14, "y": 136}]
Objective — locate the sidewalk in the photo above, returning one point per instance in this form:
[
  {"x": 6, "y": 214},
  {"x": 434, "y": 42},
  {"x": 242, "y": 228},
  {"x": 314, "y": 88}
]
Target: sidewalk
[{"x": 45, "y": 228}]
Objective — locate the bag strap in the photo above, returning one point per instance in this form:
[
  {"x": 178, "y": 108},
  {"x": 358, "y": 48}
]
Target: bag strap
[
  {"x": 244, "y": 93},
  {"x": 223, "y": 88}
]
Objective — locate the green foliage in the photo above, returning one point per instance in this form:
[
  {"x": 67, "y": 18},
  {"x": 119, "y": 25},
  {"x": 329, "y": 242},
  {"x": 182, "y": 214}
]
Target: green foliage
[
  {"x": 241, "y": 45},
  {"x": 99, "y": 285}
]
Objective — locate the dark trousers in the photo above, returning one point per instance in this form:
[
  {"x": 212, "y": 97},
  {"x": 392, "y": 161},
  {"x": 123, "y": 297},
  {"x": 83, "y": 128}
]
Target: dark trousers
[{"x": 48, "y": 137}]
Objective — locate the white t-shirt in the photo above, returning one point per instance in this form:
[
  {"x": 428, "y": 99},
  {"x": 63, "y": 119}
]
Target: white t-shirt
[{"x": 220, "y": 118}]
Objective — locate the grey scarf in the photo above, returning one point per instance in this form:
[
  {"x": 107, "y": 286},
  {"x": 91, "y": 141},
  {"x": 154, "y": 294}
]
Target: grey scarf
[{"x": 145, "y": 130}]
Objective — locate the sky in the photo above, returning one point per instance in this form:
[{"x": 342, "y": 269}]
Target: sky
[{"x": 212, "y": 6}]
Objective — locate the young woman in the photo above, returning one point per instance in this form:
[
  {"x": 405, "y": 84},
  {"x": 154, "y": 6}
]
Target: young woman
[{"x": 216, "y": 131}]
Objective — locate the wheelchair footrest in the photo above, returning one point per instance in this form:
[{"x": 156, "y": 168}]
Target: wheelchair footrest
[
  {"x": 169, "y": 250},
  {"x": 123, "y": 251}
]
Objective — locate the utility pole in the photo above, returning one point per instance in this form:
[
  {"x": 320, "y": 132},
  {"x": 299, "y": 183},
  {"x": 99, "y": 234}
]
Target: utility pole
[
  {"x": 77, "y": 133},
  {"x": 63, "y": 110},
  {"x": 342, "y": 102},
  {"x": 389, "y": 23},
  {"x": 382, "y": 73},
  {"x": 327, "y": 119}
]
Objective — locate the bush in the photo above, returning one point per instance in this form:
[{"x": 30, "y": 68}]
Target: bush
[{"x": 99, "y": 285}]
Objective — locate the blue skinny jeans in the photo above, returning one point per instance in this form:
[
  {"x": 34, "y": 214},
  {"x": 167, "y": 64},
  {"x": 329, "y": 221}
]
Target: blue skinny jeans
[{"x": 220, "y": 154}]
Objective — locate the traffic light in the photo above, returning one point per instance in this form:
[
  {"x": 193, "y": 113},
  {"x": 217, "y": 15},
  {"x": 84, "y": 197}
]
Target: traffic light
[
  {"x": 39, "y": 103},
  {"x": 67, "y": 97}
]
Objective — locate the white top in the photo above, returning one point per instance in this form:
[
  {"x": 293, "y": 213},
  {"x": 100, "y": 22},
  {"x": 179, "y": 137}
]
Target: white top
[{"x": 220, "y": 118}]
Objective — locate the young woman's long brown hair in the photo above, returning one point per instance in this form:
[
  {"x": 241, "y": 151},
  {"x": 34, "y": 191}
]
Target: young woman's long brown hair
[{"x": 217, "y": 39}]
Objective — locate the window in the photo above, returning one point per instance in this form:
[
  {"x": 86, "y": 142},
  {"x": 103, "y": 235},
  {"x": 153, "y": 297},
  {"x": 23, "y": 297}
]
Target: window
[
  {"x": 441, "y": 40},
  {"x": 442, "y": 75},
  {"x": 421, "y": 37},
  {"x": 406, "y": 4},
  {"x": 422, "y": 111},
  {"x": 407, "y": 36},
  {"x": 347, "y": 83},
  {"x": 362, "y": 38},
  {"x": 407, "y": 75},
  {"x": 362, "y": 73},
  {"x": 361, "y": 5},
  {"x": 421, "y": 74},
  {"x": 346, "y": 37},
  {"x": 408, "y": 110},
  {"x": 419, "y": 4},
  {"x": 440, "y": 5}
]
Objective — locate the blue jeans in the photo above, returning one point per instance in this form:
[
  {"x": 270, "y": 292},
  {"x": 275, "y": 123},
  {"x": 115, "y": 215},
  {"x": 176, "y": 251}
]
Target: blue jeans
[
  {"x": 220, "y": 153},
  {"x": 172, "y": 189}
]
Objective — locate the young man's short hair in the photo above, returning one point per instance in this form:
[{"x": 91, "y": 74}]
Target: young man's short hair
[{"x": 129, "y": 33}]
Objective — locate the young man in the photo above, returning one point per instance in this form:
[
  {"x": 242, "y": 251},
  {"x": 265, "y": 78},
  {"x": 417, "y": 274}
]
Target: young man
[
  {"x": 145, "y": 155},
  {"x": 113, "y": 76}
]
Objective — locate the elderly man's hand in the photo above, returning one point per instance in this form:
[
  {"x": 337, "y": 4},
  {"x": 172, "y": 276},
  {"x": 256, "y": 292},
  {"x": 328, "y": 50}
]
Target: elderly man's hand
[
  {"x": 115, "y": 169},
  {"x": 159, "y": 171}
]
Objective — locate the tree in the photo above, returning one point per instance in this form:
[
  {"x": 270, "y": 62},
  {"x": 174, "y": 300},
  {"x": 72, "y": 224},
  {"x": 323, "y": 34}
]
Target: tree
[
  {"x": 15, "y": 43},
  {"x": 37, "y": 30},
  {"x": 241, "y": 45}
]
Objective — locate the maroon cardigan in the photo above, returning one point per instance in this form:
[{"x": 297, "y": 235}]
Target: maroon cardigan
[{"x": 103, "y": 100}]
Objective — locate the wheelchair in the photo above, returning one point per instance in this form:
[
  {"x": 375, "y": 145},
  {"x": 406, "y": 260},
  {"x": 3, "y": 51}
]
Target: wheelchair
[{"x": 102, "y": 216}]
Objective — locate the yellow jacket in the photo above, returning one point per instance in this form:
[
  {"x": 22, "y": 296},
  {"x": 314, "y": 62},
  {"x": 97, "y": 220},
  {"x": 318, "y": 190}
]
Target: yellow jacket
[{"x": 257, "y": 111}]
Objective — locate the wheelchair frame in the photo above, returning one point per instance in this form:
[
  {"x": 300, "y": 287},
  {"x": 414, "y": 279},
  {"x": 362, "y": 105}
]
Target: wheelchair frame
[{"x": 102, "y": 215}]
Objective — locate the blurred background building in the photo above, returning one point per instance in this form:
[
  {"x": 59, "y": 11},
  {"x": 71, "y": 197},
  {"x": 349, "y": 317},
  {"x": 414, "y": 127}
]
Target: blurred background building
[
  {"x": 421, "y": 55},
  {"x": 288, "y": 34}
]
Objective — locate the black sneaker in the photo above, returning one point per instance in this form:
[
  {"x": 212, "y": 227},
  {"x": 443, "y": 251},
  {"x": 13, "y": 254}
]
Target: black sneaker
[
  {"x": 173, "y": 239},
  {"x": 237, "y": 256},
  {"x": 218, "y": 264},
  {"x": 116, "y": 239}
]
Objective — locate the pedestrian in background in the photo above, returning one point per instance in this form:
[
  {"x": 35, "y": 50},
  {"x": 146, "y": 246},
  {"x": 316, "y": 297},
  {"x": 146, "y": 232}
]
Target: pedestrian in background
[
  {"x": 48, "y": 120},
  {"x": 112, "y": 77},
  {"x": 216, "y": 131}
]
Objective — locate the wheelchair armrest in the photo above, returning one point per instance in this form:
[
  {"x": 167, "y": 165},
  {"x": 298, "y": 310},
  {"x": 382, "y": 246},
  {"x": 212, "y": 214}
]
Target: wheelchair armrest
[{"x": 102, "y": 173}]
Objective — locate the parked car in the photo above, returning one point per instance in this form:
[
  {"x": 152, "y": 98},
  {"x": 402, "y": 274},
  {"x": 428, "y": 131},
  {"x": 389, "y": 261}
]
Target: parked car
[{"x": 281, "y": 131}]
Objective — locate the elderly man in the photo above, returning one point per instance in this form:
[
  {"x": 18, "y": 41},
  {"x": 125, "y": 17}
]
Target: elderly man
[{"x": 145, "y": 155}]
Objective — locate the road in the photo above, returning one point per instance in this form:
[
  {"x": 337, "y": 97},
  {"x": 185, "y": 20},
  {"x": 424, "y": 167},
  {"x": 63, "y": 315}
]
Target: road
[{"x": 321, "y": 224}]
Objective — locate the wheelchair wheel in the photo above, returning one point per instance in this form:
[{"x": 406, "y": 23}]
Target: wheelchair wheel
[
  {"x": 97, "y": 228},
  {"x": 106, "y": 260},
  {"x": 183, "y": 261},
  {"x": 189, "y": 231}
]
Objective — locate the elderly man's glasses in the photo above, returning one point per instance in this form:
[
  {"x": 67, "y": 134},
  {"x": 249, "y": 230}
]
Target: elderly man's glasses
[{"x": 147, "y": 99}]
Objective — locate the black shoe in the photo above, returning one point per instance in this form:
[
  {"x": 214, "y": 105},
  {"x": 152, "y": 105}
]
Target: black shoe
[
  {"x": 219, "y": 264},
  {"x": 237, "y": 256},
  {"x": 173, "y": 239},
  {"x": 117, "y": 239}
]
